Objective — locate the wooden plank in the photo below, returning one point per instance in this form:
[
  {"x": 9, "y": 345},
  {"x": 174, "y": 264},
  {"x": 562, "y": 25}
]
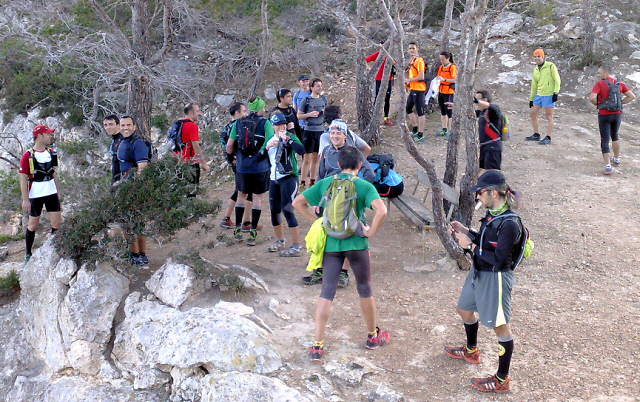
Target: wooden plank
[
  {"x": 409, "y": 214},
  {"x": 448, "y": 193},
  {"x": 412, "y": 206}
]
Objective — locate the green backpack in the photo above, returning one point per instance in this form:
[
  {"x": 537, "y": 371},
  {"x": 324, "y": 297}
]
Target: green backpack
[{"x": 340, "y": 219}]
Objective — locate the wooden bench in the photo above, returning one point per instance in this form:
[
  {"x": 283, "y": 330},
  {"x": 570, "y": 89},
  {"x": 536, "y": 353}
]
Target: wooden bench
[{"x": 416, "y": 210}]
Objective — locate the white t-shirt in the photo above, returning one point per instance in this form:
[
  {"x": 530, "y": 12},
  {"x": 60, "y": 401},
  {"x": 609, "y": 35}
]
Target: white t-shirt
[{"x": 42, "y": 188}]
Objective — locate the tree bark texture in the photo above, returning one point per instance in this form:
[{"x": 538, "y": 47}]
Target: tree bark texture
[
  {"x": 446, "y": 28},
  {"x": 264, "y": 55},
  {"x": 371, "y": 133},
  {"x": 139, "y": 104},
  {"x": 363, "y": 80},
  {"x": 588, "y": 13},
  {"x": 441, "y": 225}
]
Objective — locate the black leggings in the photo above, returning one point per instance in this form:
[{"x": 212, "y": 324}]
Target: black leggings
[
  {"x": 609, "y": 125},
  {"x": 387, "y": 99},
  {"x": 444, "y": 109},
  {"x": 332, "y": 265},
  {"x": 281, "y": 195}
]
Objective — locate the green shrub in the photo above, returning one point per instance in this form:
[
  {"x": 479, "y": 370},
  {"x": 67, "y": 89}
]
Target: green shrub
[
  {"x": 9, "y": 283},
  {"x": 8, "y": 238},
  {"x": 160, "y": 121},
  {"x": 78, "y": 147},
  {"x": 10, "y": 196},
  {"x": 154, "y": 203}
]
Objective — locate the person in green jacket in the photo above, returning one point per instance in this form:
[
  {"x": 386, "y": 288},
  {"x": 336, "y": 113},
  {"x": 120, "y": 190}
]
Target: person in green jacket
[{"x": 545, "y": 86}]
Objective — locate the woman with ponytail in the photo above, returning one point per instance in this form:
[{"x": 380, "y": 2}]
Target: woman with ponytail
[{"x": 447, "y": 72}]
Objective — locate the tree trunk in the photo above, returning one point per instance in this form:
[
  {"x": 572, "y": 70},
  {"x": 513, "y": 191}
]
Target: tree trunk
[
  {"x": 442, "y": 228},
  {"x": 265, "y": 49},
  {"x": 446, "y": 27},
  {"x": 371, "y": 133},
  {"x": 363, "y": 81},
  {"x": 139, "y": 104},
  {"x": 589, "y": 29}
]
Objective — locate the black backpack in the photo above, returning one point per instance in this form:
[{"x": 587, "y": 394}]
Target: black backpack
[
  {"x": 613, "y": 103},
  {"x": 385, "y": 163},
  {"x": 519, "y": 249},
  {"x": 153, "y": 153},
  {"x": 248, "y": 134},
  {"x": 174, "y": 135}
]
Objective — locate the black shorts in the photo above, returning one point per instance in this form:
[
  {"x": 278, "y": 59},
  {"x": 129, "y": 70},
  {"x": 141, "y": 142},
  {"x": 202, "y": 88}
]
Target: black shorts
[
  {"x": 490, "y": 159},
  {"x": 444, "y": 109},
  {"x": 416, "y": 99},
  {"x": 252, "y": 183},
  {"x": 311, "y": 141},
  {"x": 51, "y": 202}
]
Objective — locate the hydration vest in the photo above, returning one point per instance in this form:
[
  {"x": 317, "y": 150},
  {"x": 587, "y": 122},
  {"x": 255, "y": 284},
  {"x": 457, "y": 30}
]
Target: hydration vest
[{"x": 42, "y": 171}]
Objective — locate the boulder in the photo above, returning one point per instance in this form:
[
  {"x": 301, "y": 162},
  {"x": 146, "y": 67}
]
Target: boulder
[
  {"x": 270, "y": 93},
  {"x": 506, "y": 24},
  {"x": 87, "y": 313},
  {"x": 350, "y": 372},
  {"x": 636, "y": 55},
  {"x": 40, "y": 299},
  {"x": 174, "y": 283},
  {"x": 76, "y": 389},
  {"x": 223, "y": 100},
  {"x": 185, "y": 384},
  {"x": 213, "y": 338},
  {"x": 248, "y": 387},
  {"x": 573, "y": 28}
]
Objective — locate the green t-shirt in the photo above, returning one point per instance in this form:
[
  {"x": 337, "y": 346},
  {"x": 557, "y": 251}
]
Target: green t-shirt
[{"x": 366, "y": 193}]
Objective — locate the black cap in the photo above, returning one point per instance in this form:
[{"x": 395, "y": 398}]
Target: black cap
[
  {"x": 491, "y": 178},
  {"x": 302, "y": 77}
]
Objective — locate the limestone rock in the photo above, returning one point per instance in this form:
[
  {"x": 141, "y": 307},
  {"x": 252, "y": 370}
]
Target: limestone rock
[
  {"x": 350, "y": 371},
  {"x": 76, "y": 389},
  {"x": 507, "y": 23},
  {"x": 87, "y": 313},
  {"x": 174, "y": 283},
  {"x": 573, "y": 28},
  {"x": 40, "y": 300},
  {"x": 185, "y": 385},
  {"x": 16, "y": 355},
  {"x": 248, "y": 387},
  {"x": 214, "y": 338},
  {"x": 270, "y": 93},
  {"x": 223, "y": 100},
  {"x": 383, "y": 393}
]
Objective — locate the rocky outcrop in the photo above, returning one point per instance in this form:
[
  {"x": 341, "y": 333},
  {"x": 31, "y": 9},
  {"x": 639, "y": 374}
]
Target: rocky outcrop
[
  {"x": 247, "y": 387},
  {"x": 154, "y": 336},
  {"x": 174, "y": 283}
]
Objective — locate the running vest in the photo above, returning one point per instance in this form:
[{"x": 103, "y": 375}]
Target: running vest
[
  {"x": 449, "y": 73},
  {"x": 42, "y": 171}
]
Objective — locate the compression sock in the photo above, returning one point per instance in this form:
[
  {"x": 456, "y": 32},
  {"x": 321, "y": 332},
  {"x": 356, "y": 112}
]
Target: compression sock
[
  {"x": 445, "y": 129},
  {"x": 415, "y": 130},
  {"x": 239, "y": 213},
  {"x": 54, "y": 230},
  {"x": 29, "y": 237},
  {"x": 472, "y": 334},
  {"x": 504, "y": 356},
  {"x": 420, "y": 134},
  {"x": 135, "y": 254},
  {"x": 255, "y": 217}
]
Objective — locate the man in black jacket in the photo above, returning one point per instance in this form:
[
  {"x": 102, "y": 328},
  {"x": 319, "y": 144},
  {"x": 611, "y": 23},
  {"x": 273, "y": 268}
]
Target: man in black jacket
[
  {"x": 490, "y": 131},
  {"x": 487, "y": 289}
]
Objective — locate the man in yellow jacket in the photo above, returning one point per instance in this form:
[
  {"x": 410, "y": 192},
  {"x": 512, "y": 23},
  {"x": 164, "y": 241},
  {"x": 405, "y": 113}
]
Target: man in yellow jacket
[{"x": 545, "y": 86}]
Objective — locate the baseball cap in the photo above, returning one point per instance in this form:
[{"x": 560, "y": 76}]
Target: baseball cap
[
  {"x": 338, "y": 125},
  {"x": 277, "y": 119},
  {"x": 41, "y": 129},
  {"x": 302, "y": 77},
  {"x": 489, "y": 178}
]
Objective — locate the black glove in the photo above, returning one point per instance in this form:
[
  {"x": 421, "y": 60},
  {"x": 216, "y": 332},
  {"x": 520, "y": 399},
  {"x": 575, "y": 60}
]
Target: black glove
[
  {"x": 475, "y": 100},
  {"x": 230, "y": 158},
  {"x": 530, "y": 104},
  {"x": 554, "y": 98}
]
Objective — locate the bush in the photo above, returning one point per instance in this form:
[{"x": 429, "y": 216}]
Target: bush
[
  {"x": 154, "y": 203},
  {"x": 161, "y": 122},
  {"x": 10, "y": 197},
  {"x": 10, "y": 283},
  {"x": 8, "y": 238}
]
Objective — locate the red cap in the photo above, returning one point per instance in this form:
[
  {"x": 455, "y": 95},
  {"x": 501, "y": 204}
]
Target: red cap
[{"x": 41, "y": 129}]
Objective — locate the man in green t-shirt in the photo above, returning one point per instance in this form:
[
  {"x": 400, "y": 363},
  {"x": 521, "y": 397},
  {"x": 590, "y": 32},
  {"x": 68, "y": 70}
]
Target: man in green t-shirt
[{"x": 355, "y": 249}]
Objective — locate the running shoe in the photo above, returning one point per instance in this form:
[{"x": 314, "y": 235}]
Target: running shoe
[
  {"x": 227, "y": 223},
  {"x": 314, "y": 278},
  {"x": 381, "y": 339},
  {"x": 27, "y": 257},
  {"x": 472, "y": 356},
  {"x": 615, "y": 162},
  {"x": 608, "y": 170},
  {"x": 143, "y": 259},
  {"x": 533, "y": 137},
  {"x": 441, "y": 133},
  {"x": 388, "y": 122},
  {"x": 246, "y": 227},
  {"x": 343, "y": 279},
  {"x": 315, "y": 354},
  {"x": 276, "y": 246},
  {"x": 291, "y": 252},
  {"x": 253, "y": 236},
  {"x": 491, "y": 384},
  {"x": 237, "y": 233},
  {"x": 545, "y": 141},
  {"x": 418, "y": 138}
]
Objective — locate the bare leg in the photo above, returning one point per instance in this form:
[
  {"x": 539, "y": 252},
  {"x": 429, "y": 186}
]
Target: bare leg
[
  {"x": 616, "y": 149},
  {"x": 32, "y": 225},
  {"x": 421, "y": 124},
  {"x": 306, "y": 164},
  {"x": 444, "y": 121},
  {"x": 503, "y": 331},
  {"x": 606, "y": 157},
  {"x": 279, "y": 232},
  {"x": 533, "y": 113},
  {"x": 548, "y": 112},
  {"x": 323, "y": 307},
  {"x": 314, "y": 166},
  {"x": 248, "y": 205},
  {"x": 413, "y": 119},
  {"x": 467, "y": 316},
  {"x": 295, "y": 235},
  {"x": 368, "y": 307},
  {"x": 56, "y": 219}
]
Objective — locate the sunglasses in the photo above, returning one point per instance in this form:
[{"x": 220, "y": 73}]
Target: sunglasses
[{"x": 480, "y": 192}]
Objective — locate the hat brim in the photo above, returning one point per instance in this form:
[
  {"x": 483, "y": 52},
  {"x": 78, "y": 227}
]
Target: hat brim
[{"x": 478, "y": 187}]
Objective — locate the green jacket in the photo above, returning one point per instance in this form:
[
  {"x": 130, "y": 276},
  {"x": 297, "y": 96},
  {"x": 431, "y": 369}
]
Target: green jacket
[{"x": 546, "y": 80}]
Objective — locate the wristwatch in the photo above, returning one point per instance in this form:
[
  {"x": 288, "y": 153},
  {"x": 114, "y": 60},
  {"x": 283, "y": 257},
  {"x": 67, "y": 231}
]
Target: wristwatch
[{"x": 469, "y": 246}]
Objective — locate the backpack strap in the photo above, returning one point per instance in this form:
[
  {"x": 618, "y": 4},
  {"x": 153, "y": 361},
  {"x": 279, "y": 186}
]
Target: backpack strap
[
  {"x": 501, "y": 219},
  {"x": 494, "y": 138}
]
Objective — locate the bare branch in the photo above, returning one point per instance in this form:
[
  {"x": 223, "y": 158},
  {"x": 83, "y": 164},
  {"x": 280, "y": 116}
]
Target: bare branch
[
  {"x": 167, "y": 30},
  {"x": 114, "y": 28}
]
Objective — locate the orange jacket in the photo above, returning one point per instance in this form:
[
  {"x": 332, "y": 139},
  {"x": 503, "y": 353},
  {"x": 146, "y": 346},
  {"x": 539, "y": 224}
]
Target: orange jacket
[{"x": 449, "y": 72}]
